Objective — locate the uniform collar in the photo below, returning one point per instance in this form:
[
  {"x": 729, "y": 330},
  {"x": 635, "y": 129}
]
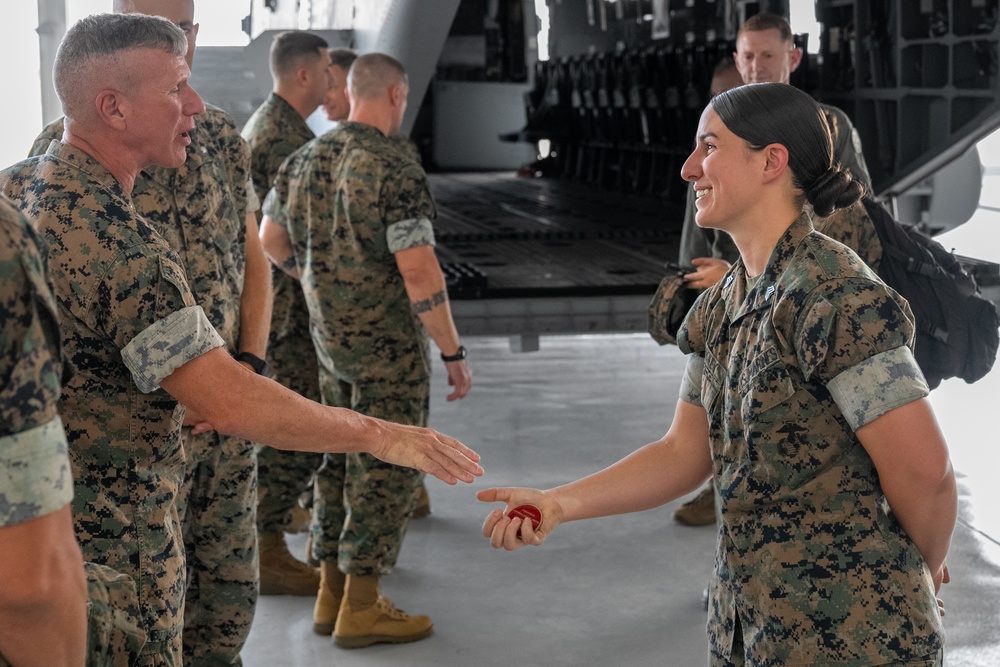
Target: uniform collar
[
  {"x": 288, "y": 114},
  {"x": 739, "y": 300},
  {"x": 360, "y": 128},
  {"x": 83, "y": 161}
]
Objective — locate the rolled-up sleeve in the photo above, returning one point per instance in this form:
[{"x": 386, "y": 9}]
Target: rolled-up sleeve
[
  {"x": 878, "y": 384},
  {"x": 410, "y": 234},
  {"x": 691, "y": 382},
  {"x": 35, "y": 474},
  {"x": 168, "y": 344}
]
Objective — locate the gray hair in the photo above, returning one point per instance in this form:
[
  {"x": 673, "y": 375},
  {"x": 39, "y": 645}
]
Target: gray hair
[
  {"x": 95, "y": 45},
  {"x": 372, "y": 73}
]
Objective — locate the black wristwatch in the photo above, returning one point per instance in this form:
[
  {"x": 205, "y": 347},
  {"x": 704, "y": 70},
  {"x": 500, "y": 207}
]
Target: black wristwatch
[
  {"x": 458, "y": 356},
  {"x": 259, "y": 366}
]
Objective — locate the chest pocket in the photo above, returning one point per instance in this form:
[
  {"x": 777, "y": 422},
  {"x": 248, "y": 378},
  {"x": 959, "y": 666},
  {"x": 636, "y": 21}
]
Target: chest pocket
[{"x": 765, "y": 384}]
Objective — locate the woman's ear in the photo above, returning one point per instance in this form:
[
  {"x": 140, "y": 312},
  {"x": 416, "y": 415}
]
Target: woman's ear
[{"x": 775, "y": 161}]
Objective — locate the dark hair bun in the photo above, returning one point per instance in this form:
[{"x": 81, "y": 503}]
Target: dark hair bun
[{"x": 834, "y": 189}]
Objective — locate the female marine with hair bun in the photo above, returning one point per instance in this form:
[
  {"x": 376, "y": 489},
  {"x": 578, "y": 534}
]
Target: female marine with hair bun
[{"x": 802, "y": 400}]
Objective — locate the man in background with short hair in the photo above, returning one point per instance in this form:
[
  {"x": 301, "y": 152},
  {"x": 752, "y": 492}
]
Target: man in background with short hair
[
  {"x": 300, "y": 68},
  {"x": 350, "y": 215}
]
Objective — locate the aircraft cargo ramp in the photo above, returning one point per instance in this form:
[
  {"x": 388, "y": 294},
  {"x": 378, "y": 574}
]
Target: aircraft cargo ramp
[{"x": 527, "y": 256}]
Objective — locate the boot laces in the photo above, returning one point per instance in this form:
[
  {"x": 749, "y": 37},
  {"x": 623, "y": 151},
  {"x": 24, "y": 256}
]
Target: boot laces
[{"x": 386, "y": 607}]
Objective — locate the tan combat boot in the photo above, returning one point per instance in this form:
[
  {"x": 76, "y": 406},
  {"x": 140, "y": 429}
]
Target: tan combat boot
[
  {"x": 280, "y": 572},
  {"x": 331, "y": 593},
  {"x": 699, "y": 511},
  {"x": 367, "y": 617}
]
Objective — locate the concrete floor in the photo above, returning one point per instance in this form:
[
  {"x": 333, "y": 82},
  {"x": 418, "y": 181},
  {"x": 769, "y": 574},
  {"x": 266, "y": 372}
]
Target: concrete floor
[{"x": 616, "y": 591}]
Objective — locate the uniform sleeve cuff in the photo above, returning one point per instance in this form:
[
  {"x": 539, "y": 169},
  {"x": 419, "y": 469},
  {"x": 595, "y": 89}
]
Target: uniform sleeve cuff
[
  {"x": 168, "y": 344},
  {"x": 691, "y": 382},
  {"x": 35, "y": 474},
  {"x": 881, "y": 383},
  {"x": 409, "y": 234}
]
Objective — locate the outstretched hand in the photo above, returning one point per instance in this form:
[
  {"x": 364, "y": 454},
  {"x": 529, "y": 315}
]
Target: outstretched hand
[
  {"x": 428, "y": 451},
  {"x": 513, "y": 533}
]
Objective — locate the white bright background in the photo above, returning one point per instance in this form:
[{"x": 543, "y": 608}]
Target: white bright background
[{"x": 21, "y": 115}]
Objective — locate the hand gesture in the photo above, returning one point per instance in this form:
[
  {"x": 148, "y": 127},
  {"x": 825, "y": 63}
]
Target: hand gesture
[
  {"x": 428, "y": 451},
  {"x": 513, "y": 533}
]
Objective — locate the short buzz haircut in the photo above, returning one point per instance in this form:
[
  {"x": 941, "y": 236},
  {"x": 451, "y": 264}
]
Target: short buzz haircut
[
  {"x": 343, "y": 57},
  {"x": 95, "y": 45},
  {"x": 372, "y": 73},
  {"x": 289, "y": 49},
  {"x": 766, "y": 21}
]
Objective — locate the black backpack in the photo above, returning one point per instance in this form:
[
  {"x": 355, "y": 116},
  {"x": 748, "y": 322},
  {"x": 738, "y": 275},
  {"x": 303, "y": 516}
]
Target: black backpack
[{"x": 957, "y": 329}]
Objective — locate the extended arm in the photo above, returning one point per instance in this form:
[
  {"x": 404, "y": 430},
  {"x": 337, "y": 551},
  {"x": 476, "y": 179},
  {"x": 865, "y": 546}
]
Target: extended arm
[
  {"x": 915, "y": 471},
  {"x": 655, "y": 474},
  {"x": 43, "y": 593},
  {"x": 427, "y": 291},
  {"x": 238, "y": 402}
]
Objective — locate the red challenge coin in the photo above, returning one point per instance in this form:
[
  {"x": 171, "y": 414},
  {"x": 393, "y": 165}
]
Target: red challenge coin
[{"x": 527, "y": 512}]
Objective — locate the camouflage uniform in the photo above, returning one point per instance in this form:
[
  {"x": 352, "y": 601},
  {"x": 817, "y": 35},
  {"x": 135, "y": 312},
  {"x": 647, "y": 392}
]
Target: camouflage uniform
[
  {"x": 35, "y": 475},
  {"x": 812, "y": 567},
  {"x": 200, "y": 210},
  {"x": 366, "y": 201},
  {"x": 129, "y": 320},
  {"x": 698, "y": 242},
  {"x": 34, "y": 458},
  {"x": 275, "y": 131}
]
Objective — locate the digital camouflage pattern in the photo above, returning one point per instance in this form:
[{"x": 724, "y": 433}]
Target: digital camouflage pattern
[
  {"x": 381, "y": 496},
  {"x": 114, "y": 627},
  {"x": 220, "y": 538},
  {"x": 129, "y": 319},
  {"x": 275, "y": 131},
  {"x": 200, "y": 208},
  {"x": 852, "y": 227},
  {"x": 365, "y": 201},
  {"x": 200, "y": 211},
  {"x": 812, "y": 568},
  {"x": 30, "y": 364},
  {"x": 350, "y": 200},
  {"x": 35, "y": 476}
]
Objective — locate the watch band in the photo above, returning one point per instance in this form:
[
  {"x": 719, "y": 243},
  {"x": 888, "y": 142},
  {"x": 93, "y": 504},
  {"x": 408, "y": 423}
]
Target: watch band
[
  {"x": 458, "y": 356},
  {"x": 259, "y": 366}
]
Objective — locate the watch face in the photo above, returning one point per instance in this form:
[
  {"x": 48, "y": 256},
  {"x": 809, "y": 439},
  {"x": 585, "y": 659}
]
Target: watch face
[{"x": 458, "y": 356}]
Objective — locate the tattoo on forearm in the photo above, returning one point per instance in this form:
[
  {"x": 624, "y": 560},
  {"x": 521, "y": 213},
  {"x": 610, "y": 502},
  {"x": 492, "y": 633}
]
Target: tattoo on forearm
[{"x": 425, "y": 305}]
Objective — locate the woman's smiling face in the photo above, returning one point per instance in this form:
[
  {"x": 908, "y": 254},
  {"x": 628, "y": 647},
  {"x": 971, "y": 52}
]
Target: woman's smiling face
[{"x": 721, "y": 167}]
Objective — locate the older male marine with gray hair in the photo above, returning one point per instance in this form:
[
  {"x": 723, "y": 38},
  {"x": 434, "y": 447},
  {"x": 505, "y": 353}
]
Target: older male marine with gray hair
[{"x": 141, "y": 345}]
